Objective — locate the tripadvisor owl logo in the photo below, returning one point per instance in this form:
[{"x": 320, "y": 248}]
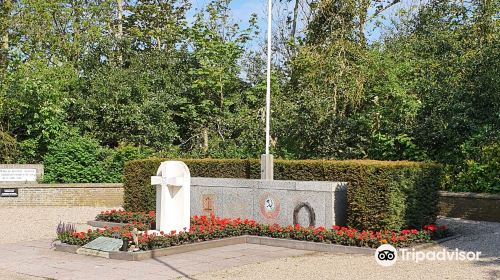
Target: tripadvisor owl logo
[{"x": 386, "y": 255}]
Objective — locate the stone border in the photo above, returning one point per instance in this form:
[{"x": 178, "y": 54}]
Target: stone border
[
  {"x": 308, "y": 245},
  {"x": 318, "y": 186},
  {"x": 268, "y": 241},
  {"x": 102, "y": 224},
  {"x": 143, "y": 255},
  {"x": 470, "y": 195}
]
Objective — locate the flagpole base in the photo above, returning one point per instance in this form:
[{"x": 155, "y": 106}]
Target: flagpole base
[{"x": 267, "y": 167}]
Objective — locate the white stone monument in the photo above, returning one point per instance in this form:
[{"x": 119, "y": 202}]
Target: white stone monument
[{"x": 173, "y": 187}]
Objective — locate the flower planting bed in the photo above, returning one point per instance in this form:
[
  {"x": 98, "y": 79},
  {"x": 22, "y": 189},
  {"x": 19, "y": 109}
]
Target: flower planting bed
[
  {"x": 120, "y": 218},
  {"x": 208, "y": 232}
]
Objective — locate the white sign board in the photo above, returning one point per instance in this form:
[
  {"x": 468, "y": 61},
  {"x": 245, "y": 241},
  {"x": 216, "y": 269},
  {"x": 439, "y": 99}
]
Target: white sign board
[{"x": 18, "y": 175}]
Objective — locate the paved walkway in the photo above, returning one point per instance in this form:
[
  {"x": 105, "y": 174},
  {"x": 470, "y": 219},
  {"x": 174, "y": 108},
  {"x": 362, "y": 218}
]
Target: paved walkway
[{"x": 36, "y": 258}]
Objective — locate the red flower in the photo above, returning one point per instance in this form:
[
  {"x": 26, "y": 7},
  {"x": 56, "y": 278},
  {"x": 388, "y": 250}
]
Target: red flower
[{"x": 430, "y": 227}]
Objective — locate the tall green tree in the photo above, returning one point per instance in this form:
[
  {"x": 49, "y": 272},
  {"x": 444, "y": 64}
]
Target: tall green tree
[{"x": 216, "y": 87}]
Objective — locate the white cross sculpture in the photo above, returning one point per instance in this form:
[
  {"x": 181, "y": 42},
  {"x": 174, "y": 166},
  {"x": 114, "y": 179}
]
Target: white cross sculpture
[{"x": 173, "y": 187}]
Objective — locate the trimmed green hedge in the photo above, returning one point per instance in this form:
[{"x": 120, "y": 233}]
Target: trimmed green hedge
[{"x": 381, "y": 194}]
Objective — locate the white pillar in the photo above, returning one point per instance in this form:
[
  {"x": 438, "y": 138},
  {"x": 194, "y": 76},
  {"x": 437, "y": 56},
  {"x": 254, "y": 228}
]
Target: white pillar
[
  {"x": 266, "y": 160},
  {"x": 173, "y": 194}
]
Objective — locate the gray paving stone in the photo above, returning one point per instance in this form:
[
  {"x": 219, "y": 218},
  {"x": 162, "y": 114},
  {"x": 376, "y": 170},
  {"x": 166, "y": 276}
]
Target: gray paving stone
[{"x": 38, "y": 259}]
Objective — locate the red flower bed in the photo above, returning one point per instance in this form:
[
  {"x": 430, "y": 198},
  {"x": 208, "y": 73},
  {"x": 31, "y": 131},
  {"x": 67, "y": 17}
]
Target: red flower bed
[
  {"x": 141, "y": 220},
  {"x": 207, "y": 228}
]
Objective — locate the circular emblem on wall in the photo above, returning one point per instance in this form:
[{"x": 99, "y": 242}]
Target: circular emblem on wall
[{"x": 269, "y": 206}]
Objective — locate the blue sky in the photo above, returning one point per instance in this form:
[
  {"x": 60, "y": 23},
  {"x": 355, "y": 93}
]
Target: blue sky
[{"x": 242, "y": 9}]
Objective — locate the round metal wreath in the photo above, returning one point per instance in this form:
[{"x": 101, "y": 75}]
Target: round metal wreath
[{"x": 307, "y": 206}]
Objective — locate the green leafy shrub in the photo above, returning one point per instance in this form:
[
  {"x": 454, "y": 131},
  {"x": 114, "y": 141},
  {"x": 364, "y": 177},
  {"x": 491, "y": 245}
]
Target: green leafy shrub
[
  {"x": 479, "y": 173},
  {"x": 8, "y": 148},
  {"x": 476, "y": 166},
  {"x": 117, "y": 157},
  {"x": 381, "y": 194},
  {"x": 75, "y": 159},
  {"x": 28, "y": 151},
  {"x": 80, "y": 159}
]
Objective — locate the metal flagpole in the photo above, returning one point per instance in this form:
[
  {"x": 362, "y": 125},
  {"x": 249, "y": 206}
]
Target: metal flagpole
[
  {"x": 268, "y": 89},
  {"x": 266, "y": 160}
]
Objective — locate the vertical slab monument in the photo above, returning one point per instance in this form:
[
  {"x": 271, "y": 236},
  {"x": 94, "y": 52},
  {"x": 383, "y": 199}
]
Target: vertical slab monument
[{"x": 173, "y": 187}]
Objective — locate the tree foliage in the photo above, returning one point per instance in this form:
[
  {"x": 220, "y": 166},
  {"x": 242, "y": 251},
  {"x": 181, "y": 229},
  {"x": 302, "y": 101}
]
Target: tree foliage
[{"x": 156, "y": 76}]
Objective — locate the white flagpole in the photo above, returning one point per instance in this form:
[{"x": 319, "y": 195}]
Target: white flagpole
[
  {"x": 268, "y": 90},
  {"x": 266, "y": 160}
]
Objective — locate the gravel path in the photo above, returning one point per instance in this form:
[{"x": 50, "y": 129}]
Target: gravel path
[
  {"x": 475, "y": 236},
  {"x": 32, "y": 223},
  {"x": 23, "y": 223}
]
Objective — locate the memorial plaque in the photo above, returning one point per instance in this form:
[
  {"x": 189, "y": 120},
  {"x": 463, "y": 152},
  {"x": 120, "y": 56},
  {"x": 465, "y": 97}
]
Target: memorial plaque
[
  {"x": 18, "y": 175},
  {"x": 9, "y": 192},
  {"x": 208, "y": 203},
  {"x": 104, "y": 244}
]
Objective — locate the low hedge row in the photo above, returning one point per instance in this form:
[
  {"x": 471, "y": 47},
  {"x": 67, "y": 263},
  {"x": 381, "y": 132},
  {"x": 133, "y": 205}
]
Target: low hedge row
[{"x": 381, "y": 194}]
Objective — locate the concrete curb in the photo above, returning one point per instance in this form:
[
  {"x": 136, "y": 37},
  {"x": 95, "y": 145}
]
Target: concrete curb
[
  {"x": 308, "y": 245},
  {"x": 143, "y": 255},
  {"x": 63, "y": 247},
  {"x": 102, "y": 224},
  {"x": 261, "y": 240}
]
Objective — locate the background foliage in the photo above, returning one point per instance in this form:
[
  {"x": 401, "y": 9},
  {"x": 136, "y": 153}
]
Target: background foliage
[{"x": 140, "y": 74}]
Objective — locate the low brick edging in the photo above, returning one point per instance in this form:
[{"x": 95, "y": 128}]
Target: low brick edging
[
  {"x": 470, "y": 206},
  {"x": 88, "y": 194}
]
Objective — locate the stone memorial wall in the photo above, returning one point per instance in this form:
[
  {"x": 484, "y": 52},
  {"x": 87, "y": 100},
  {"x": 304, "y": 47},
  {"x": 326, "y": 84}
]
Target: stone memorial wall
[{"x": 307, "y": 203}]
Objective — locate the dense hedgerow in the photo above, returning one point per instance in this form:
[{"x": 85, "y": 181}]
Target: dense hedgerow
[{"x": 381, "y": 194}]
